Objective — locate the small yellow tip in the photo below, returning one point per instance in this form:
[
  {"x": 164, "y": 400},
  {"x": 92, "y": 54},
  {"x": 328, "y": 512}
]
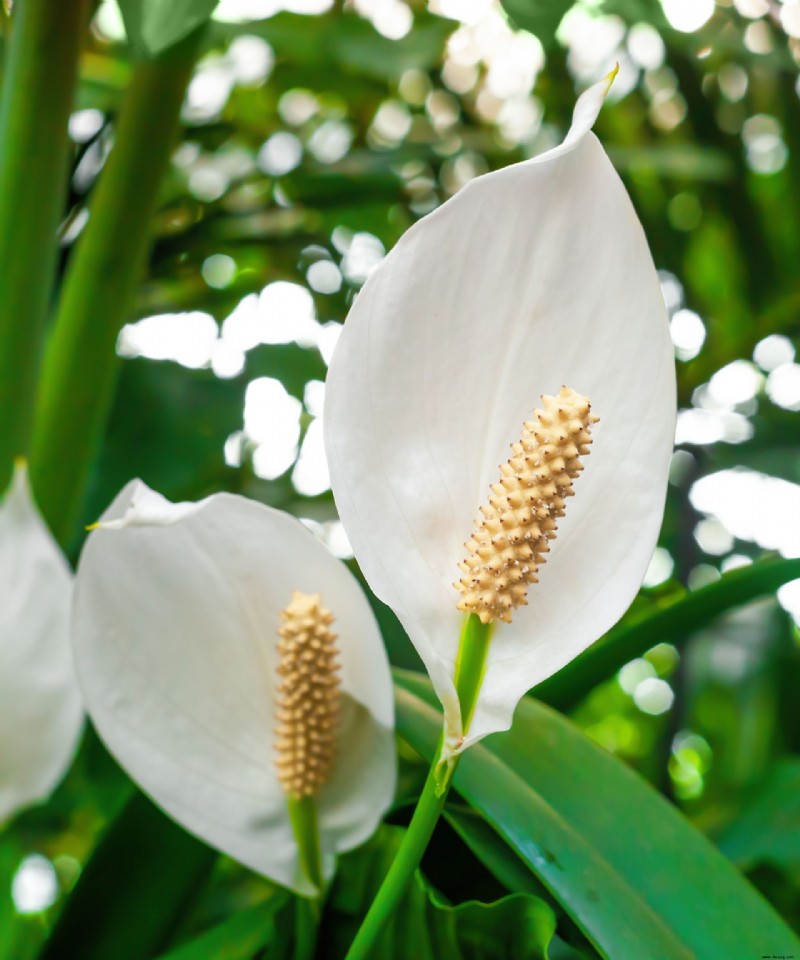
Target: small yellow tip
[
  {"x": 20, "y": 463},
  {"x": 611, "y": 76},
  {"x": 93, "y": 526}
]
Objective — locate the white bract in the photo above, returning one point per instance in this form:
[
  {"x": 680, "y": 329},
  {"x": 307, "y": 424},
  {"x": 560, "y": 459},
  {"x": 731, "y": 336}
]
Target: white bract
[
  {"x": 532, "y": 277},
  {"x": 176, "y": 614},
  {"x": 41, "y": 716}
]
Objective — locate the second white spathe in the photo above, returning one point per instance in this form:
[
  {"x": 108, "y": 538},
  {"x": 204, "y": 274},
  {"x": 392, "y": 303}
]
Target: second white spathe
[
  {"x": 174, "y": 629},
  {"x": 41, "y": 715}
]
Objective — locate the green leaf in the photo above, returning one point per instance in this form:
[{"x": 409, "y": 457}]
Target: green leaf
[
  {"x": 261, "y": 928},
  {"x": 541, "y": 17},
  {"x": 424, "y": 926},
  {"x": 161, "y": 408},
  {"x": 293, "y": 365},
  {"x": 493, "y": 852},
  {"x": 133, "y": 893},
  {"x": 351, "y": 44},
  {"x": 517, "y": 926},
  {"x": 768, "y": 830},
  {"x": 11, "y": 854},
  {"x": 360, "y": 48},
  {"x": 675, "y": 621},
  {"x": 635, "y": 876},
  {"x": 155, "y": 25},
  {"x": 506, "y": 866}
]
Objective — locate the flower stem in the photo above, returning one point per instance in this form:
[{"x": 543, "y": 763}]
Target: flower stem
[
  {"x": 306, "y": 924},
  {"x": 40, "y": 68},
  {"x": 305, "y": 827},
  {"x": 471, "y": 665},
  {"x": 303, "y": 817},
  {"x": 429, "y": 807},
  {"x": 470, "y": 670}
]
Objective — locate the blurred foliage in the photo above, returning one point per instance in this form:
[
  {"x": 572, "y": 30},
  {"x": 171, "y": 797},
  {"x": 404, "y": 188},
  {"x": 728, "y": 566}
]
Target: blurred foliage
[{"x": 309, "y": 144}]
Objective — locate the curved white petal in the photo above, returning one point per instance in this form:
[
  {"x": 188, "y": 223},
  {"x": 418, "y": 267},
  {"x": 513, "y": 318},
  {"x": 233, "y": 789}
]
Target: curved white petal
[
  {"x": 531, "y": 277},
  {"x": 174, "y": 629},
  {"x": 41, "y": 716}
]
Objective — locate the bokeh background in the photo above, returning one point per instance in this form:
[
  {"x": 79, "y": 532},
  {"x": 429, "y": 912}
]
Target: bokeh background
[{"x": 314, "y": 133}]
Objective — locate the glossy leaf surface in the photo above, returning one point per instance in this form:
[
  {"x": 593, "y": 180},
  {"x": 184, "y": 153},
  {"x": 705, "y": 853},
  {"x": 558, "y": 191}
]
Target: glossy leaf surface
[{"x": 601, "y": 839}]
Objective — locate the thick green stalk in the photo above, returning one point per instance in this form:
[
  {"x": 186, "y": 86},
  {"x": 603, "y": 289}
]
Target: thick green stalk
[
  {"x": 80, "y": 363},
  {"x": 303, "y": 817},
  {"x": 38, "y": 86},
  {"x": 415, "y": 842},
  {"x": 470, "y": 669},
  {"x": 471, "y": 665},
  {"x": 306, "y": 926},
  {"x": 305, "y": 827}
]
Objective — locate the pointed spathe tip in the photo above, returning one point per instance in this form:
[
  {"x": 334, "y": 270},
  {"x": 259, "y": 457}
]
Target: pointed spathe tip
[
  {"x": 587, "y": 108},
  {"x": 19, "y": 477},
  {"x": 611, "y": 76}
]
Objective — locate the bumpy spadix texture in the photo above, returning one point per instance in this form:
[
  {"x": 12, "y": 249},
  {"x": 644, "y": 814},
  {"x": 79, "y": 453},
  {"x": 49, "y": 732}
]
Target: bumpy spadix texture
[
  {"x": 41, "y": 715},
  {"x": 309, "y": 698},
  {"x": 511, "y": 539},
  {"x": 176, "y": 613},
  {"x": 530, "y": 277}
]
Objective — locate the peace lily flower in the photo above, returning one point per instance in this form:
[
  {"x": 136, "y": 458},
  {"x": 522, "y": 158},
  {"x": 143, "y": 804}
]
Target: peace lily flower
[
  {"x": 535, "y": 280},
  {"x": 235, "y": 670},
  {"x": 41, "y": 716}
]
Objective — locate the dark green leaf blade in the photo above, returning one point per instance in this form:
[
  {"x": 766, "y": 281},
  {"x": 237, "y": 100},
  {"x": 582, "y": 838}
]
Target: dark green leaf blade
[
  {"x": 768, "y": 830},
  {"x": 155, "y": 25},
  {"x": 516, "y": 926},
  {"x": 134, "y": 891},
  {"x": 351, "y": 45},
  {"x": 492, "y": 851},
  {"x": 263, "y": 927},
  {"x": 674, "y": 622},
  {"x": 506, "y": 866},
  {"x": 633, "y": 873},
  {"x": 541, "y": 17}
]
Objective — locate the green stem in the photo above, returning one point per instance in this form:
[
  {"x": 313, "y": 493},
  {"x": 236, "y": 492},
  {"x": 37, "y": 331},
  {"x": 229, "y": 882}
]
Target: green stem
[
  {"x": 303, "y": 817},
  {"x": 80, "y": 363},
  {"x": 469, "y": 673},
  {"x": 416, "y": 839},
  {"x": 305, "y": 827},
  {"x": 473, "y": 648},
  {"x": 38, "y": 86},
  {"x": 306, "y": 925}
]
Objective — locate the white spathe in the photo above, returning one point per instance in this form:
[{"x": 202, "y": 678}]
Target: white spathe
[
  {"x": 531, "y": 277},
  {"x": 176, "y": 613},
  {"x": 41, "y": 716}
]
